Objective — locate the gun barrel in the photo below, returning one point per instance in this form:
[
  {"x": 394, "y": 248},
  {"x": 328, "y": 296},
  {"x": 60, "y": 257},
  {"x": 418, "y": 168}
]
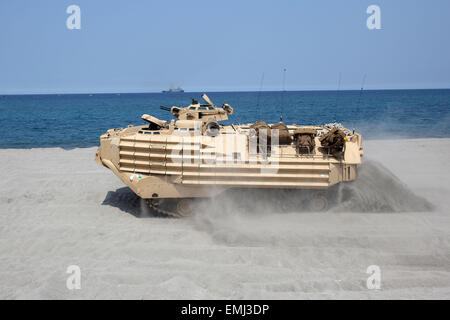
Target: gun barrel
[{"x": 164, "y": 108}]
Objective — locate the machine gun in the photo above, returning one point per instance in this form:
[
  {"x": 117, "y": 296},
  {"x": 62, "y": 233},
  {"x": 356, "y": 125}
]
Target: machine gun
[{"x": 174, "y": 110}]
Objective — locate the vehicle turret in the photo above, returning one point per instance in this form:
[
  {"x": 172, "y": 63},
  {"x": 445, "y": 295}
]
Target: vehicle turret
[{"x": 202, "y": 112}]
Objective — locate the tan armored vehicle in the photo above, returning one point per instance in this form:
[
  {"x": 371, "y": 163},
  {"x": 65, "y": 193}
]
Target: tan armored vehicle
[{"x": 170, "y": 164}]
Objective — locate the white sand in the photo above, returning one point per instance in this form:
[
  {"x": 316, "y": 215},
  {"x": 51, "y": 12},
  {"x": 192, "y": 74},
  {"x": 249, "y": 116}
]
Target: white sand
[{"x": 51, "y": 216}]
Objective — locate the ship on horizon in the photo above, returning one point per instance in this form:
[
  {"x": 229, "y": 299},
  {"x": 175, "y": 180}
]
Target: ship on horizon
[{"x": 173, "y": 90}]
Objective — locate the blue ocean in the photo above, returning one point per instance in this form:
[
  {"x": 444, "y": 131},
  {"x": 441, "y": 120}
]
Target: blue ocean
[{"x": 77, "y": 120}]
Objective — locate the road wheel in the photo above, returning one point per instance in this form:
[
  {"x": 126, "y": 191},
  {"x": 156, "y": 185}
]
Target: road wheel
[
  {"x": 318, "y": 203},
  {"x": 185, "y": 207}
]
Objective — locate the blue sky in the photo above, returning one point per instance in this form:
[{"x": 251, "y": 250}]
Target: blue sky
[{"x": 146, "y": 46}]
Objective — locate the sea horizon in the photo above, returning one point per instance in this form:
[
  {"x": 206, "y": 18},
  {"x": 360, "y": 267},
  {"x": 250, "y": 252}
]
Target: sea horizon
[
  {"x": 78, "y": 119},
  {"x": 221, "y": 91}
]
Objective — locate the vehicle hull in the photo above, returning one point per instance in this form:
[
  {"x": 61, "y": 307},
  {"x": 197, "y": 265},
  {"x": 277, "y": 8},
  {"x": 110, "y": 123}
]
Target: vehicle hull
[{"x": 191, "y": 166}]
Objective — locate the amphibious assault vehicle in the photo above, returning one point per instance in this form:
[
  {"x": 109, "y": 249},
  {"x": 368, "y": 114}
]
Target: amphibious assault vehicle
[{"x": 170, "y": 164}]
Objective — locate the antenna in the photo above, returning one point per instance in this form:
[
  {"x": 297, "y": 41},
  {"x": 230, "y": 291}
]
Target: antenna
[
  {"x": 362, "y": 88},
  {"x": 360, "y": 94},
  {"x": 259, "y": 95},
  {"x": 282, "y": 93},
  {"x": 338, "y": 89}
]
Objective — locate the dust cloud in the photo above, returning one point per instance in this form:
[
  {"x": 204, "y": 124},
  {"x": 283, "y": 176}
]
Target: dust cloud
[{"x": 255, "y": 217}]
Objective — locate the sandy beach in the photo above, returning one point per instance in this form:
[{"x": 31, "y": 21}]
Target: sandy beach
[{"x": 59, "y": 208}]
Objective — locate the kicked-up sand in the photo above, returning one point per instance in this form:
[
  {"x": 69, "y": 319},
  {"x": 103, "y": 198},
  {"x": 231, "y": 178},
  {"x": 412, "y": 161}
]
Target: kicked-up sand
[{"x": 59, "y": 208}]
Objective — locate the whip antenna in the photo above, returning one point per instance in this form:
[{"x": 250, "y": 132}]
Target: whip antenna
[
  {"x": 282, "y": 94},
  {"x": 259, "y": 95},
  {"x": 362, "y": 88},
  {"x": 338, "y": 89}
]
